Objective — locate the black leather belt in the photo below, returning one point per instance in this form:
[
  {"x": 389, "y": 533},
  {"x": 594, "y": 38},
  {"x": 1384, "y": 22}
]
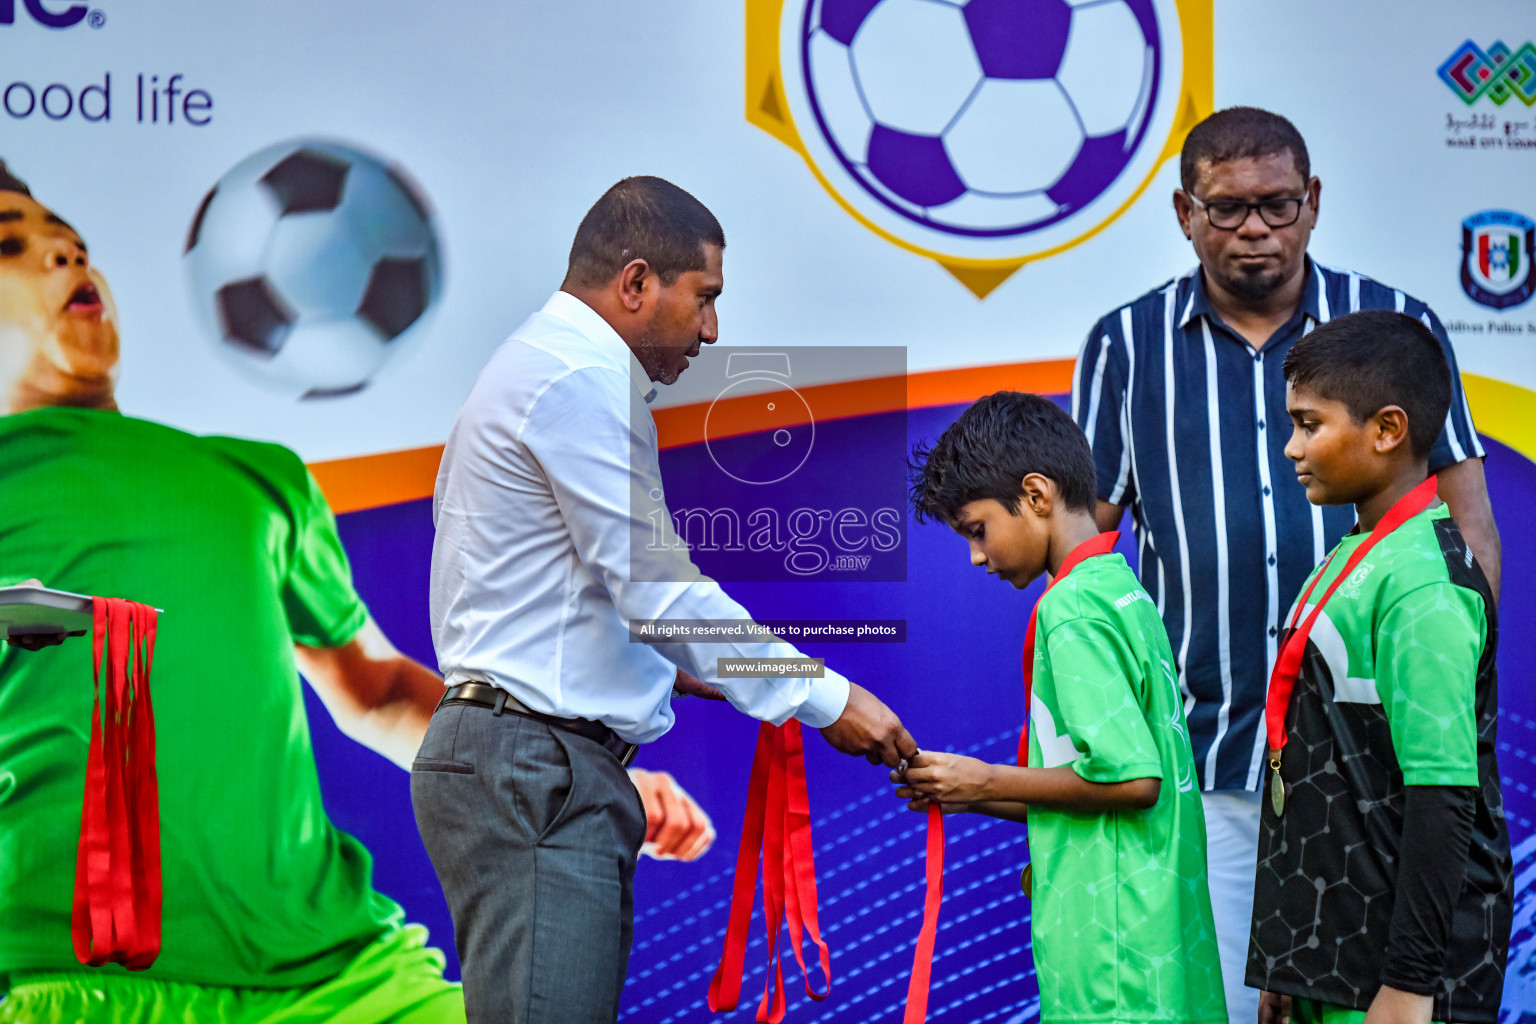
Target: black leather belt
[{"x": 484, "y": 695}]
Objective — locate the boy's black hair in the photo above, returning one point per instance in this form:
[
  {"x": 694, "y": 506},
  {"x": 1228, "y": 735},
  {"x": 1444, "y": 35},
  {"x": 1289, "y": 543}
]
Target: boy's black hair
[
  {"x": 10, "y": 183},
  {"x": 1239, "y": 133},
  {"x": 1373, "y": 359},
  {"x": 992, "y": 447},
  {"x": 645, "y": 218}
]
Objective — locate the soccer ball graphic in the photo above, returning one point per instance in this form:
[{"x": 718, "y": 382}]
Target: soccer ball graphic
[
  {"x": 982, "y": 118},
  {"x": 309, "y": 261}
]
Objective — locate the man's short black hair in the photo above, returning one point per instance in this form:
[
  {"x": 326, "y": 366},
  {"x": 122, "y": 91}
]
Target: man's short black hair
[
  {"x": 10, "y": 183},
  {"x": 642, "y": 218},
  {"x": 1373, "y": 359},
  {"x": 992, "y": 447},
  {"x": 1240, "y": 133}
]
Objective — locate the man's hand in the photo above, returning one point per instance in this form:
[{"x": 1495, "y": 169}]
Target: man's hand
[
  {"x": 868, "y": 727},
  {"x": 949, "y": 778},
  {"x": 1394, "y": 1006},
  {"x": 1274, "y": 1008},
  {"x": 676, "y": 827},
  {"x": 685, "y": 685}
]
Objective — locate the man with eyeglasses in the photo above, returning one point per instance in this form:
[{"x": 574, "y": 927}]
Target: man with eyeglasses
[{"x": 1182, "y": 396}]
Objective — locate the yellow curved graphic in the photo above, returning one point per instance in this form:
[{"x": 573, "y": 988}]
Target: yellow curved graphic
[
  {"x": 1502, "y": 411},
  {"x": 767, "y": 107}
]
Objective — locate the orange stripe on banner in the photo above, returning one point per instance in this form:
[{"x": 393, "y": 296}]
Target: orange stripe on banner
[
  {"x": 370, "y": 481},
  {"x": 733, "y": 417},
  {"x": 953, "y": 387}
]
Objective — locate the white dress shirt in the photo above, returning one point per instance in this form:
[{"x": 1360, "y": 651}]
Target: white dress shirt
[{"x": 542, "y": 497}]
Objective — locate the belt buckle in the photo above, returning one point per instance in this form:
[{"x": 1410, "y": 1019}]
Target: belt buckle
[{"x": 627, "y": 756}]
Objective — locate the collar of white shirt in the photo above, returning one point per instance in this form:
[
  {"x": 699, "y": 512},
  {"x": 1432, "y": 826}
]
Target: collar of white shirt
[{"x": 565, "y": 306}]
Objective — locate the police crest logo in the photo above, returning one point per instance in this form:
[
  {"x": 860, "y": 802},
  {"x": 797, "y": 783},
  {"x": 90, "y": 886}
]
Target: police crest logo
[
  {"x": 1496, "y": 258},
  {"x": 986, "y": 134}
]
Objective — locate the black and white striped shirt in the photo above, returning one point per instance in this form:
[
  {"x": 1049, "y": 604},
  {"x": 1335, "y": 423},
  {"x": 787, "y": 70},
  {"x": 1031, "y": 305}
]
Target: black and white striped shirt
[{"x": 1188, "y": 427}]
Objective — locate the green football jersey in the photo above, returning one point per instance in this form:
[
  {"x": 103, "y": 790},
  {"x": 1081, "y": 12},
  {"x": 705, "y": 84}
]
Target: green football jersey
[
  {"x": 234, "y": 541},
  {"x": 1122, "y": 908}
]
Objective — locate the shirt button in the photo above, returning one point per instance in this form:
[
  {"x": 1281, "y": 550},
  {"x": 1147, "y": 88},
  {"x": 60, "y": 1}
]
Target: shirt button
[
  {"x": 1273, "y": 631},
  {"x": 1271, "y": 559},
  {"x": 1261, "y": 424},
  {"x": 1266, "y": 492}
]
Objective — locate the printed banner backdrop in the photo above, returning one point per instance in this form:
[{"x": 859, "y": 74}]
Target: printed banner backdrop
[{"x": 318, "y": 220}]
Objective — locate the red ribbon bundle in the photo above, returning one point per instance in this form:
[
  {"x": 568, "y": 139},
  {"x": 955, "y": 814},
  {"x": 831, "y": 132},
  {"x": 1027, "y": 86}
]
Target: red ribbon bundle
[
  {"x": 116, "y": 913},
  {"x": 777, "y": 822}
]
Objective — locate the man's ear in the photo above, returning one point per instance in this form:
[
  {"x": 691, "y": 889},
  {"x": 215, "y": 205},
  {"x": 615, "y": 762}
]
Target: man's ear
[
  {"x": 633, "y": 281},
  {"x": 1183, "y": 208},
  {"x": 1039, "y": 494},
  {"x": 1389, "y": 429}
]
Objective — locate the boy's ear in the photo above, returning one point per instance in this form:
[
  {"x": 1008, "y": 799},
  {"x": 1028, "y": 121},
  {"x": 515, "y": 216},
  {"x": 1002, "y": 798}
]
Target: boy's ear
[
  {"x": 1389, "y": 429},
  {"x": 1039, "y": 494}
]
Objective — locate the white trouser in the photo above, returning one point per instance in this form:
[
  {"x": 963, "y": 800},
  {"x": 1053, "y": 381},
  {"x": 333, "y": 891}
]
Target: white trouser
[{"x": 1231, "y": 856}]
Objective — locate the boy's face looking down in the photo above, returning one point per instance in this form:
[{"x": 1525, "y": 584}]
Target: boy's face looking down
[
  {"x": 58, "y": 324},
  {"x": 1338, "y": 460},
  {"x": 1013, "y": 546}
]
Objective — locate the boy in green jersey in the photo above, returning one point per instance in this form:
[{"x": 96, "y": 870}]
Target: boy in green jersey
[
  {"x": 1121, "y": 910},
  {"x": 1383, "y": 890}
]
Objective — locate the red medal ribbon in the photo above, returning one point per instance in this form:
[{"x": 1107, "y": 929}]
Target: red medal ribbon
[
  {"x": 922, "y": 957},
  {"x": 1103, "y": 544},
  {"x": 116, "y": 913},
  {"x": 1293, "y": 642},
  {"x": 777, "y": 823}
]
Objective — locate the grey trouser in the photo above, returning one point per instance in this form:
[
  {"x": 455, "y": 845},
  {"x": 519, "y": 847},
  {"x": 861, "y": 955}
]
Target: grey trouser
[{"x": 534, "y": 833}]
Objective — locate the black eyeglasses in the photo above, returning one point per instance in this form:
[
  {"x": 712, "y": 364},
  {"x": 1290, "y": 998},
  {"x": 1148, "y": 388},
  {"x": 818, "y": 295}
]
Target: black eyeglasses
[{"x": 1228, "y": 214}]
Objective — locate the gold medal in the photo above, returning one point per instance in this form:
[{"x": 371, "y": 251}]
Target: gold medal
[
  {"x": 1276, "y": 788},
  {"x": 1027, "y": 881}
]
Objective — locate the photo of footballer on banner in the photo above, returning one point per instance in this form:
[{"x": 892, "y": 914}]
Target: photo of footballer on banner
[{"x": 267, "y": 904}]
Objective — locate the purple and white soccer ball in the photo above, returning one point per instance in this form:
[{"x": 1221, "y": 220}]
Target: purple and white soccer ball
[
  {"x": 309, "y": 262},
  {"x": 982, "y": 118}
]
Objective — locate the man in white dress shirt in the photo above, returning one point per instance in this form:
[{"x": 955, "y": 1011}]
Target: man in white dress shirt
[{"x": 539, "y": 567}]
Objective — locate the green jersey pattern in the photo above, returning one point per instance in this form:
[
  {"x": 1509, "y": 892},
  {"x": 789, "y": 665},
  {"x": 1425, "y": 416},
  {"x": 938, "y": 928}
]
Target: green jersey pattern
[
  {"x": 1122, "y": 909},
  {"x": 233, "y": 539},
  {"x": 1397, "y": 688}
]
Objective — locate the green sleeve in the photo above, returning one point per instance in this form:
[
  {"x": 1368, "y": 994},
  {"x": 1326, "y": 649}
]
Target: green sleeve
[
  {"x": 1428, "y": 645},
  {"x": 322, "y": 608},
  {"x": 1094, "y": 673}
]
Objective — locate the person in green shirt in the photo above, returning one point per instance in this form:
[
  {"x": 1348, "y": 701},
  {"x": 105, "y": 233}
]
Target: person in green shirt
[
  {"x": 1384, "y": 886},
  {"x": 1121, "y": 914},
  {"x": 269, "y": 911}
]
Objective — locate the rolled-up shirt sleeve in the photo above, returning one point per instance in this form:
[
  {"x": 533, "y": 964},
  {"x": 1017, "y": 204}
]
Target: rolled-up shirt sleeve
[{"x": 595, "y": 442}]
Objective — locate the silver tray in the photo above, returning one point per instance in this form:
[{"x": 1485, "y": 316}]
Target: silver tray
[{"x": 34, "y": 617}]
